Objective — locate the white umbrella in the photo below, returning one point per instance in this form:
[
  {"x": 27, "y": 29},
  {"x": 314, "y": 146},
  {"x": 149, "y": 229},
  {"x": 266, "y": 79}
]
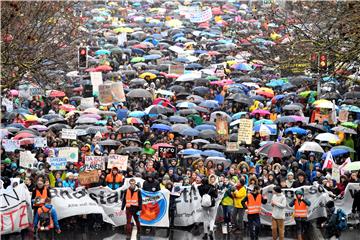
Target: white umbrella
[
  {"x": 311, "y": 147},
  {"x": 327, "y": 137}
]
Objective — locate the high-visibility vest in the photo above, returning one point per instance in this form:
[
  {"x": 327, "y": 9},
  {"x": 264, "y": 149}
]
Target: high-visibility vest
[
  {"x": 254, "y": 205},
  {"x": 43, "y": 196},
  {"x": 132, "y": 200},
  {"x": 110, "y": 178},
  {"x": 300, "y": 209},
  {"x": 41, "y": 210}
]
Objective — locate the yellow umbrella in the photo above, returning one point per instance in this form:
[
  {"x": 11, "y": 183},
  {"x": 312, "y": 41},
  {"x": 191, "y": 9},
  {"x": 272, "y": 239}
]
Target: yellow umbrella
[
  {"x": 274, "y": 36},
  {"x": 147, "y": 74},
  {"x": 323, "y": 103},
  {"x": 29, "y": 117},
  {"x": 123, "y": 30},
  {"x": 174, "y": 23},
  {"x": 264, "y": 89},
  {"x": 231, "y": 62}
]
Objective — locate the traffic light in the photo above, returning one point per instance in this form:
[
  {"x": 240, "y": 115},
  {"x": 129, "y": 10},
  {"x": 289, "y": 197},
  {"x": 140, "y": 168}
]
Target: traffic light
[
  {"x": 82, "y": 57},
  {"x": 314, "y": 61},
  {"x": 323, "y": 62}
]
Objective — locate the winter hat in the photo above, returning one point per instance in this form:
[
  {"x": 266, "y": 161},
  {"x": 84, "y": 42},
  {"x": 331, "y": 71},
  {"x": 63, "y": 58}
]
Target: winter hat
[
  {"x": 299, "y": 192},
  {"x": 69, "y": 174},
  {"x": 277, "y": 189},
  {"x": 6, "y": 161}
]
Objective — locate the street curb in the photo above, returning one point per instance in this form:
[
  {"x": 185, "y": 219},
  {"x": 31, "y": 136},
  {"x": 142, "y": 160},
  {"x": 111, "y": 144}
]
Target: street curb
[{"x": 314, "y": 233}]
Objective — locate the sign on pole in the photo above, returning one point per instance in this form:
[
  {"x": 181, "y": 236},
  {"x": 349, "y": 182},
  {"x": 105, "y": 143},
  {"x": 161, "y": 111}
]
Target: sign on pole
[
  {"x": 68, "y": 133},
  {"x": 118, "y": 93},
  {"x": 245, "y": 131},
  {"x": 232, "y": 146},
  {"x": 119, "y": 161},
  {"x": 40, "y": 142},
  {"x": 96, "y": 80},
  {"x": 167, "y": 152},
  {"x": 94, "y": 163}
]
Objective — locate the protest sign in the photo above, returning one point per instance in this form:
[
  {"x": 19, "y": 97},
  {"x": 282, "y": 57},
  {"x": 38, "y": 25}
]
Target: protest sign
[
  {"x": 245, "y": 131},
  {"x": 37, "y": 92},
  {"x": 87, "y": 91},
  {"x": 10, "y": 145},
  {"x": 335, "y": 173},
  {"x": 15, "y": 211},
  {"x": 119, "y": 161},
  {"x": 40, "y": 142},
  {"x": 232, "y": 146},
  {"x": 70, "y": 153},
  {"x": 88, "y": 177},
  {"x": 154, "y": 210},
  {"x": 122, "y": 38},
  {"x": 343, "y": 115},
  {"x": 117, "y": 90},
  {"x": 94, "y": 162},
  {"x": 201, "y": 16},
  {"x": 96, "y": 80},
  {"x": 105, "y": 95},
  {"x": 87, "y": 102},
  {"x": 27, "y": 159},
  {"x": 8, "y": 104},
  {"x": 167, "y": 152},
  {"x": 222, "y": 128},
  {"x": 68, "y": 133},
  {"x": 57, "y": 163},
  {"x": 176, "y": 69}
]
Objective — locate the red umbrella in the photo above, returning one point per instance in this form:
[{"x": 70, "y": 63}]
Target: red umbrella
[
  {"x": 23, "y": 135},
  {"x": 103, "y": 68},
  {"x": 157, "y": 145},
  {"x": 27, "y": 141},
  {"x": 56, "y": 93},
  {"x": 67, "y": 107},
  {"x": 172, "y": 75},
  {"x": 276, "y": 149},
  {"x": 91, "y": 70},
  {"x": 217, "y": 11},
  {"x": 140, "y": 45}
]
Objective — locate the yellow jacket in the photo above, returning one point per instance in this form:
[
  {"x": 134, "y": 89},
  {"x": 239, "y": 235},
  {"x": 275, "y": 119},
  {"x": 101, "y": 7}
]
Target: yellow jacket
[{"x": 239, "y": 195}]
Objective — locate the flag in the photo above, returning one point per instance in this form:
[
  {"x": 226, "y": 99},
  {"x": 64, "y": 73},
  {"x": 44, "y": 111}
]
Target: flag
[
  {"x": 328, "y": 161},
  {"x": 333, "y": 112},
  {"x": 342, "y": 166}
]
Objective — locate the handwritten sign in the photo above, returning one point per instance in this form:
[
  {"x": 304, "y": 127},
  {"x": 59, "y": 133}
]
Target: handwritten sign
[
  {"x": 335, "y": 172},
  {"x": 232, "y": 146},
  {"x": 96, "y": 80},
  {"x": 70, "y": 153},
  {"x": 105, "y": 94},
  {"x": 37, "y": 92},
  {"x": 222, "y": 128},
  {"x": 201, "y": 16},
  {"x": 343, "y": 115},
  {"x": 94, "y": 162},
  {"x": 119, "y": 161},
  {"x": 10, "y": 145},
  {"x": 88, "y": 177},
  {"x": 117, "y": 90},
  {"x": 27, "y": 159},
  {"x": 57, "y": 163},
  {"x": 40, "y": 142},
  {"x": 176, "y": 69},
  {"x": 68, "y": 133},
  {"x": 167, "y": 152},
  {"x": 245, "y": 131},
  {"x": 87, "y": 102}
]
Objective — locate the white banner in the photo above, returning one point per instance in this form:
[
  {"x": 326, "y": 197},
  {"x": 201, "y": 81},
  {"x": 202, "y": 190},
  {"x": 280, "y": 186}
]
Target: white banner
[
  {"x": 68, "y": 133},
  {"x": 15, "y": 210},
  {"x": 202, "y": 16},
  {"x": 10, "y": 145}
]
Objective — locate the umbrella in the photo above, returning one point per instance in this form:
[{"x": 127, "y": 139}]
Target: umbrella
[
  {"x": 278, "y": 150},
  {"x": 261, "y": 112},
  {"x": 190, "y": 151},
  {"x": 187, "y": 111},
  {"x": 102, "y": 52},
  {"x": 22, "y": 135},
  {"x": 86, "y": 120},
  {"x": 327, "y": 137},
  {"x": 109, "y": 142},
  {"x": 212, "y": 153},
  {"x": 209, "y": 104},
  {"x": 207, "y": 134},
  {"x": 263, "y": 121},
  {"x": 219, "y": 160},
  {"x": 179, "y": 127},
  {"x": 200, "y": 141},
  {"x": 178, "y": 119},
  {"x": 214, "y": 115},
  {"x": 264, "y": 129},
  {"x": 214, "y": 146},
  {"x": 161, "y": 127},
  {"x": 296, "y": 130},
  {"x": 292, "y": 107},
  {"x": 158, "y": 109},
  {"x": 127, "y": 150},
  {"x": 157, "y": 145},
  {"x": 133, "y": 120},
  {"x": 344, "y": 130},
  {"x": 185, "y": 105},
  {"x": 139, "y": 93},
  {"x": 137, "y": 114},
  {"x": 137, "y": 59},
  {"x": 316, "y": 127},
  {"x": 311, "y": 147},
  {"x": 55, "y": 93},
  {"x": 96, "y": 129},
  {"x": 205, "y": 127},
  {"x": 58, "y": 126},
  {"x": 353, "y": 166},
  {"x": 39, "y": 128},
  {"x": 128, "y": 129},
  {"x": 323, "y": 103},
  {"x": 190, "y": 132},
  {"x": 147, "y": 75}
]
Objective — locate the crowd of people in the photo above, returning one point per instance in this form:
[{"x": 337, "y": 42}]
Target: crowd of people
[{"x": 285, "y": 150}]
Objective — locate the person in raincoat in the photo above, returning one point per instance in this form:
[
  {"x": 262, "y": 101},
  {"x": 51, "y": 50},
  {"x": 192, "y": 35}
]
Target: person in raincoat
[{"x": 147, "y": 148}]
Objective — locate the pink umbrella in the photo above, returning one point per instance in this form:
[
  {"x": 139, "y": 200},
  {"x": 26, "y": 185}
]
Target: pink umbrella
[
  {"x": 260, "y": 111},
  {"x": 157, "y": 145},
  {"x": 67, "y": 107},
  {"x": 92, "y": 115},
  {"x": 103, "y": 68},
  {"x": 91, "y": 70},
  {"x": 297, "y": 118},
  {"x": 14, "y": 92}
]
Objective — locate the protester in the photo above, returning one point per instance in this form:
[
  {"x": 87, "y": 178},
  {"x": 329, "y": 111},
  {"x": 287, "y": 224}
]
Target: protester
[
  {"x": 239, "y": 209},
  {"x": 45, "y": 220},
  {"x": 300, "y": 213},
  {"x": 278, "y": 202}
]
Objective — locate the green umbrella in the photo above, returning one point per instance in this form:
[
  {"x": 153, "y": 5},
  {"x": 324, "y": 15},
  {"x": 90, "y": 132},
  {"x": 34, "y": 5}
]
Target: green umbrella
[
  {"x": 353, "y": 166},
  {"x": 137, "y": 59},
  {"x": 349, "y": 124},
  {"x": 212, "y": 78},
  {"x": 306, "y": 94}
]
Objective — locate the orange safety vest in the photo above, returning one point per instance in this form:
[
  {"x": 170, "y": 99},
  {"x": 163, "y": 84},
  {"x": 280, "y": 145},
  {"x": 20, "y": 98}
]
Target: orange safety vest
[
  {"x": 254, "y": 205},
  {"x": 110, "y": 178},
  {"x": 43, "y": 196},
  {"x": 300, "y": 209},
  {"x": 132, "y": 200},
  {"x": 45, "y": 210}
]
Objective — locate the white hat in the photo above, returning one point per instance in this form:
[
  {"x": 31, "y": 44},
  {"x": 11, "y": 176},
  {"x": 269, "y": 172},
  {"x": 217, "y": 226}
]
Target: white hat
[{"x": 69, "y": 174}]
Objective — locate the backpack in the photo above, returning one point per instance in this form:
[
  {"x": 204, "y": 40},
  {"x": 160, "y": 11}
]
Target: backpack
[
  {"x": 45, "y": 219},
  {"x": 341, "y": 220},
  {"x": 206, "y": 200}
]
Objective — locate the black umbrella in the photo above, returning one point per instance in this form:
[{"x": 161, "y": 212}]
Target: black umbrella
[
  {"x": 127, "y": 150},
  {"x": 58, "y": 126},
  {"x": 109, "y": 142},
  {"x": 95, "y": 129},
  {"x": 207, "y": 134},
  {"x": 177, "y": 88},
  {"x": 139, "y": 93},
  {"x": 352, "y": 95},
  {"x": 128, "y": 129},
  {"x": 55, "y": 121},
  {"x": 214, "y": 146},
  {"x": 187, "y": 111},
  {"x": 130, "y": 139}
]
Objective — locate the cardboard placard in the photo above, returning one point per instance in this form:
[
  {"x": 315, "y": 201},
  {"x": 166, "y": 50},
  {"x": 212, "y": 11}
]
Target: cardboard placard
[
  {"x": 40, "y": 142},
  {"x": 117, "y": 90},
  {"x": 70, "y": 153},
  {"x": 245, "y": 131},
  {"x": 222, "y": 127},
  {"x": 27, "y": 159},
  {"x": 57, "y": 163},
  {"x": 94, "y": 162},
  {"x": 167, "y": 152},
  {"x": 88, "y": 177},
  {"x": 232, "y": 146},
  {"x": 335, "y": 172},
  {"x": 68, "y": 133},
  {"x": 343, "y": 115},
  {"x": 10, "y": 145},
  {"x": 105, "y": 94},
  {"x": 119, "y": 161},
  {"x": 176, "y": 69},
  {"x": 87, "y": 102}
]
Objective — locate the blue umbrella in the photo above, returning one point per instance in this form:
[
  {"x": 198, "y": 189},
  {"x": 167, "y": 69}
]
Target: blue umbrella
[
  {"x": 272, "y": 131},
  {"x": 185, "y": 105},
  {"x": 178, "y": 119},
  {"x": 138, "y": 51},
  {"x": 351, "y": 108},
  {"x": 190, "y": 151},
  {"x": 16, "y": 125},
  {"x": 193, "y": 66},
  {"x": 181, "y": 59},
  {"x": 190, "y": 132},
  {"x": 210, "y": 104},
  {"x": 336, "y": 153},
  {"x": 180, "y": 34},
  {"x": 212, "y": 153},
  {"x": 200, "y": 90},
  {"x": 238, "y": 115},
  {"x": 243, "y": 67},
  {"x": 200, "y": 51},
  {"x": 205, "y": 127},
  {"x": 297, "y": 130},
  {"x": 137, "y": 114},
  {"x": 157, "y": 36},
  {"x": 160, "y": 126},
  {"x": 102, "y": 52},
  {"x": 152, "y": 57}
]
